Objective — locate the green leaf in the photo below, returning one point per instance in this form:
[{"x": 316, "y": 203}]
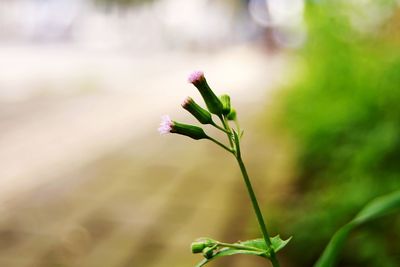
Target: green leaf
[
  {"x": 256, "y": 247},
  {"x": 278, "y": 243},
  {"x": 229, "y": 252},
  {"x": 232, "y": 251},
  {"x": 258, "y": 243},
  {"x": 376, "y": 208}
]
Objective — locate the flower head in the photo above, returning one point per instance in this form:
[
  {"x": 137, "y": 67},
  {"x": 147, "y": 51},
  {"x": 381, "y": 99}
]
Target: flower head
[
  {"x": 165, "y": 125},
  {"x": 188, "y": 100},
  {"x": 169, "y": 126},
  {"x": 196, "y": 76},
  {"x": 213, "y": 103}
]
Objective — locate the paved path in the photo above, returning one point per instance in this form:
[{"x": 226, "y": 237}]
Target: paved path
[
  {"x": 87, "y": 181},
  {"x": 53, "y": 136}
]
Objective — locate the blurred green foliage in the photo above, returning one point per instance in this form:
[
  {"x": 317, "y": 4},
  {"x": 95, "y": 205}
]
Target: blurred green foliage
[{"x": 343, "y": 112}]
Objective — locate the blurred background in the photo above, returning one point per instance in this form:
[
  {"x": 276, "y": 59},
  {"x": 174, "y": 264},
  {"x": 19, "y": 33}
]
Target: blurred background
[{"x": 86, "y": 180}]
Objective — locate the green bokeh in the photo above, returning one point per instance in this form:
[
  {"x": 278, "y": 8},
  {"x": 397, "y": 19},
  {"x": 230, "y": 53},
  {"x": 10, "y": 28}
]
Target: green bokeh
[{"x": 343, "y": 112}]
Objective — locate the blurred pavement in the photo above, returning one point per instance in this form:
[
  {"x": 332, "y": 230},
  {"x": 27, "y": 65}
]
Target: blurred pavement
[
  {"x": 42, "y": 138},
  {"x": 86, "y": 180}
]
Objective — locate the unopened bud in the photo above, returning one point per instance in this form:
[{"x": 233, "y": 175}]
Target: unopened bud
[
  {"x": 232, "y": 115},
  {"x": 208, "y": 252},
  {"x": 198, "y": 246},
  {"x": 213, "y": 103},
  {"x": 202, "y": 115},
  {"x": 191, "y": 131},
  {"x": 169, "y": 126},
  {"x": 226, "y": 104}
]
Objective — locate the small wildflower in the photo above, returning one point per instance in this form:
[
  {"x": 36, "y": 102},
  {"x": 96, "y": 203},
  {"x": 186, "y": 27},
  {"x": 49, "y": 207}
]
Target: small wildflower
[
  {"x": 169, "y": 126},
  {"x": 196, "y": 76},
  {"x": 213, "y": 103},
  {"x": 202, "y": 115},
  {"x": 165, "y": 125}
]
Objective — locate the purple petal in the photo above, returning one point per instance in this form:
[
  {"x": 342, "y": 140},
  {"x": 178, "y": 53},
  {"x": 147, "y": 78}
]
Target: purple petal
[
  {"x": 165, "y": 125},
  {"x": 196, "y": 76}
]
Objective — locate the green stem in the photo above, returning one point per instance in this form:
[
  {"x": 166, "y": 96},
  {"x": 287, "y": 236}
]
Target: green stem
[
  {"x": 274, "y": 259},
  {"x": 238, "y": 127},
  {"x": 235, "y": 149},
  {"x": 228, "y": 129},
  {"x": 219, "y": 127},
  {"x": 221, "y": 145},
  {"x": 257, "y": 210}
]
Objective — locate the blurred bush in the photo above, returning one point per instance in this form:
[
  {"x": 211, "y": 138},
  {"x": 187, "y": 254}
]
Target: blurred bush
[{"x": 343, "y": 113}]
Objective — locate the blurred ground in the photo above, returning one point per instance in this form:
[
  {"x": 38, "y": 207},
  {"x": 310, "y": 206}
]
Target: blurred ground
[{"x": 85, "y": 178}]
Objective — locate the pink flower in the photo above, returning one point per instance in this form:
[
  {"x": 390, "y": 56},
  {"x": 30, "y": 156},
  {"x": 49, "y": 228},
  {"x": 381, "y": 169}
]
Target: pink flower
[
  {"x": 196, "y": 76},
  {"x": 165, "y": 125}
]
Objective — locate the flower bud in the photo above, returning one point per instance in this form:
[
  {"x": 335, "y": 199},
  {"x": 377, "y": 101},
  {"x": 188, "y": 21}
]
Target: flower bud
[
  {"x": 213, "y": 103},
  {"x": 198, "y": 246},
  {"x": 232, "y": 115},
  {"x": 188, "y": 130},
  {"x": 169, "y": 126},
  {"x": 202, "y": 115},
  {"x": 226, "y": 104},
  {"x": 208, "y": 252}
]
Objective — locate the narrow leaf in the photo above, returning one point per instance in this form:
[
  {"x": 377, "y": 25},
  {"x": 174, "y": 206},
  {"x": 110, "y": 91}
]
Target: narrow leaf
[
  {"x": 331, "y": 252},
  {"x": 376, "y": 208}
]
